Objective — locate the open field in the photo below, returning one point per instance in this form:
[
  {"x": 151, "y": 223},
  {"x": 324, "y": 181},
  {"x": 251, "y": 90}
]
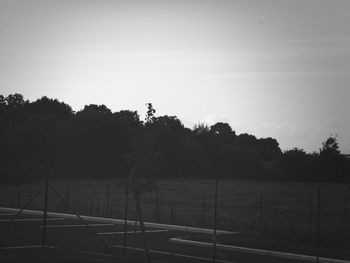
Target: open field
[{"x": 286, "y": 211}]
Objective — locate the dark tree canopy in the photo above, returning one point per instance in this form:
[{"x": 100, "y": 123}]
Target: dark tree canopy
[
  {"x": 96, "y": 142},
  {"x": 330, "y": 149},
  {"x": 14, "y": 101},
  {"x": 222, "y": 129},
  {"x": 150, "y": 113},
  {"x": 201, "y": 128},
  {"x": 46, "y": 106},
  {"x": 93, "y": 108}
]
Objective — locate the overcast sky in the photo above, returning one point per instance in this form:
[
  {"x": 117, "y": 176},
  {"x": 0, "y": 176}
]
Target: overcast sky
[{"x": 270, "y": 68}]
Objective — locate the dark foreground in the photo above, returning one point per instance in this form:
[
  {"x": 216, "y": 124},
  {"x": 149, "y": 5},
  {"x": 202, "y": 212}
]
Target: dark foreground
[{"x": 68, "y": 240}]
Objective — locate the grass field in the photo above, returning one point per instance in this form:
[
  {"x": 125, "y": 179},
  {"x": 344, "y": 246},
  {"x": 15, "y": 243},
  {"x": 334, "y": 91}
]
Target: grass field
[{"x": 283, "y": 210}]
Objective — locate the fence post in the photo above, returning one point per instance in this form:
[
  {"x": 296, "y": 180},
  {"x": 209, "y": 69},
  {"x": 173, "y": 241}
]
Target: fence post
[
  {"x": 67, "y": 196},
  {"x": 98, "y": 206},
  {"x": 125, "y": 218},
  {"x": 173, "y": 214},
  {"x": 91, "y": 208},
  {"x": 29, "y": 191},
  {"x": 346, "y": 215},
  {"x": 215, "y": 217},
  {"x": 33, "y": 202},
  {"x": 261, "y": 210},
  {"x": 346, "y": 218},
  {"x": 135, "y": 224},
  {"x": 43, "y": 241},
  {"x": 156, "y": 207},
  {"x": 107, "y": 200},
  {"x": 203, "y": 207},
  {"x": 318, "y": 224},
  {"x": 19, "y": 198},
  {"x": 310, "y": 218}
]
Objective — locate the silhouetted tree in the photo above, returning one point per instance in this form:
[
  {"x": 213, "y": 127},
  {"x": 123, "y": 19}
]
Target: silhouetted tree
[
  {"x": 45, "y": 106},
  {"x": 93, "y": 108},
  {"x": 168, "y": 122},
  {"x": 330, "y": 149},
  {"x": 15, "y": 100},
  {"x": 128, "y": 118},
  {"x": 222, "y": 129},
  {"x": 150, "y": 113},
  {"x": 269, "y": 148},
  {"x": 332, "y": 164},
  {"x": 138, "y": 187},
  {"x": 201, "y": 128},
  {"x": 296, "y": 163},
  {"x": 3, "y": 104},
  {"x": 96, "y": 141},
  {"x": 43, "y": 141}
]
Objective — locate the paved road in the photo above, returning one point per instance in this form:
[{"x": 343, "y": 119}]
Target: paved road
[{"x": 105, "y": 241}]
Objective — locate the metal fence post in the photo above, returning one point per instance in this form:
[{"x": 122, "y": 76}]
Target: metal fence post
[
  {"x": 261, "y": 212},
  {"x": 67, "y": 196},
  {"x": 19, "y": 198},
  {"x": 43, "y": 241},
  {"x": 203, "y": 208},
  {"x": 318, "y": 224},
  {"x": 215, "y": 221},
  {"x": 310, "y": 218},
  {"x": 107, "y": 200},
  {"x": 156, "y": 207},
  {"x": 346, "y": 216},
  {"x": 125, "y": 218},
  {"x": 29, "y": 191}
]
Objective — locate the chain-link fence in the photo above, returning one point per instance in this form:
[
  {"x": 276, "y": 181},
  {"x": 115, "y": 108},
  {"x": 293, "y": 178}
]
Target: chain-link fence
[{"x": 287, "y": 211}]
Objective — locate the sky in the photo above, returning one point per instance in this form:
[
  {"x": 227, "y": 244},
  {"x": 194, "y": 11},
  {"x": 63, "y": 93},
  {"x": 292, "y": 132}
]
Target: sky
[{"x": 271, "y": 68}]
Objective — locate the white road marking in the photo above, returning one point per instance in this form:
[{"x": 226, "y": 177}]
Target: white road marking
[
  {"x": 8, "y": 214},
  {"x": 133, "y": 232},
  {"x": 58, "y": 226},
  {"x": 175, "y": 254},
  {"x": 30, "y": 219},
  {"x": 96, "y": 253},
  {"x": 257, "y": 251},
  {"x": 121, "y": 221},
  {"x": 22, "y": 247}
]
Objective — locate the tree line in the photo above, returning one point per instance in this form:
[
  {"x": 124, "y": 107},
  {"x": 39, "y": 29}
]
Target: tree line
[{"x": 48, "y": 136}]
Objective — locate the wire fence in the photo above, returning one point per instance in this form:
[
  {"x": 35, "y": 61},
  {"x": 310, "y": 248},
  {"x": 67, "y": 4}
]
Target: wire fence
[{"x": 284, "y": 210}]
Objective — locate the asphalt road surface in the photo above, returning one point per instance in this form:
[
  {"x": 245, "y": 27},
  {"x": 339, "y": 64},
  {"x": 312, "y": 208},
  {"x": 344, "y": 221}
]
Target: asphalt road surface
[{"x": 69, "y": 240}]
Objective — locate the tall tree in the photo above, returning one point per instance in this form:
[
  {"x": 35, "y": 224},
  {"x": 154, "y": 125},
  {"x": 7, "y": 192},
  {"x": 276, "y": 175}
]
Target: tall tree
[{"x": 150, "y": 113}]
